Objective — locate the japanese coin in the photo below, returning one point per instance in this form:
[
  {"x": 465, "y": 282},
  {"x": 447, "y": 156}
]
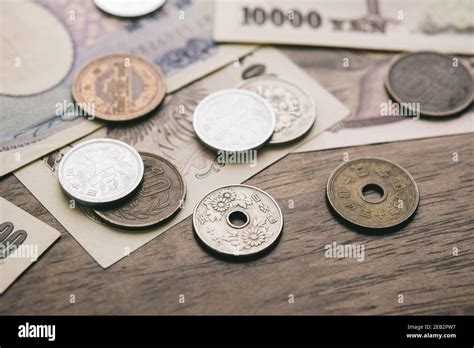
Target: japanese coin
[
  {"x": 127, "y": 8},
  {"x": 238, "y": 220},
  {"x": 441, "y": 85},
  {"x": 100, "y": 171},
  {"x": 294, "y": 109},
  {"x": 234, "y": 120},
  {"x": 119, "y": 87},
  {"x": 372, "y": 193},
  {"x": 160, "y": 195}
]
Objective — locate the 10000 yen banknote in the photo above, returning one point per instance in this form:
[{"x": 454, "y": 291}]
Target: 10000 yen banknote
[
  {"x": 44, "y": 43},
  {"x": 442, "y": 25},
  {"x": 169, "y": 133}
]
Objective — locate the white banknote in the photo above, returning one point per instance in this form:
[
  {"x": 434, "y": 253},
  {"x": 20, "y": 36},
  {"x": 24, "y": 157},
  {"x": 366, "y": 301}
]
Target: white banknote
[
  {"x": 441, "y": 25},
  {"x": 23, "y": 238}
]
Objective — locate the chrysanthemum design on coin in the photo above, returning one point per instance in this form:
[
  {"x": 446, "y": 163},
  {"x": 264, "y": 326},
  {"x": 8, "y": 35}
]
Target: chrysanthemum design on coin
[
  {"x": 234, "y": 120},
  {"x": 100, "y": 171},
  {"x": 119, "y": 87},
  {"x": 394, "y": 195},
  {"x": 238, "y": 220},
  {"x": 294, "y": 110}
]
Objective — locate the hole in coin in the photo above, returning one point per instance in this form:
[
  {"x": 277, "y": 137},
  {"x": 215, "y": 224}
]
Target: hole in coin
[
  {"x": 238, "y": 219},
  {"x": 373, "y": 193}
]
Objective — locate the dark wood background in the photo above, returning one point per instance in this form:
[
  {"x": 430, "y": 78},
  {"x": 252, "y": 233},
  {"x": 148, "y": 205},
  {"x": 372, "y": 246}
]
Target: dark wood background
[{"x": 416, "y": 262}]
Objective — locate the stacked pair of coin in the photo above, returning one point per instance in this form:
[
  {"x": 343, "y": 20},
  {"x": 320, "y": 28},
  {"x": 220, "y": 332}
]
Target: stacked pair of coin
[
  {"x": 123, "y": 187},
  {"x": 430, "y": 83},
  {"x": 263, "y": 109}
]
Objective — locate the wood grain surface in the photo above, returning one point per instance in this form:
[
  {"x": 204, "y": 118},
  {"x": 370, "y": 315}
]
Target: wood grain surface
[{"x": 416, "y": 261}]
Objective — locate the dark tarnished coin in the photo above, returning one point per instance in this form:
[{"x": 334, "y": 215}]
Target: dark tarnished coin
[
  {"x": 372, "y": 193},
  {"x": 238, "y": 220},
  {"x": 294, "y": 109},
  {"x": 159, "y": 197},
  {"x": 442, "y": 85}
]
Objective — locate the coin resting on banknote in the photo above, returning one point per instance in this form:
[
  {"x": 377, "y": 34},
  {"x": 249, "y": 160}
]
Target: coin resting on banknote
[
  {"x": 119, "y": 87},
  {"x": 372, "y": 193},
  {"x": 234, "y": 120},
  {"x": 100, "y": 171},
  {"x": 294, "y": 109},
  {"x": 159, "y": 197},
  {"x": 127, "y": 8},
  {"x": 437, "y": 84}
]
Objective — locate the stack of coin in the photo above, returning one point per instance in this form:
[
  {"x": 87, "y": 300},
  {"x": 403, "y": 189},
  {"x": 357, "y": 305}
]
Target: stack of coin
[
  {"x": 124, "y": 188},
  {"x": 262, "y": 110}
]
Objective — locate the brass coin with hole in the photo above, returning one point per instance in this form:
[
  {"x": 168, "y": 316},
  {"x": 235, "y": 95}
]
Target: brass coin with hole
[
  {"x": 373, "y": 193},
  {"x": 238, "y": 220}
]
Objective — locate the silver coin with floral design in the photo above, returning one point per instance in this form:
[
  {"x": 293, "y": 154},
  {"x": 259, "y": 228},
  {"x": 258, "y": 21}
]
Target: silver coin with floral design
[
  {"x": 294, "y": 109},
  {"x": 238, "y": 220},
  {"x": 234, "y": 120},
  {"x": 100, "y": 171}
]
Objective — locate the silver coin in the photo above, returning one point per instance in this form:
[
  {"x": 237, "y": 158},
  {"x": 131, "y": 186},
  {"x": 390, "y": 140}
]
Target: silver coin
[
  {"x": 100, "y": 171},
  {"x": 294, "y": 109},
  {"x": 129, "y": 8},
  {"x": 238, "y": 220},
  {"x": 234, "y": 120}
]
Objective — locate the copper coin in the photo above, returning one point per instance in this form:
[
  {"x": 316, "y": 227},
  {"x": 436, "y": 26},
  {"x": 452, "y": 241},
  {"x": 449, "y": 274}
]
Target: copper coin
[
  {"x": 119, "y": 87},
  {"x": 441, "y": 85},
  {"x": 373, "y": 193},
  {"x": 160, "y": 196}
]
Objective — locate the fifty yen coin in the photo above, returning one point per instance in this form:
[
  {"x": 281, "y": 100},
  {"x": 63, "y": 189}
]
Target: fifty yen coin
[
  {"x": 160, "y": 195},
  {"x": 294, "y": 109},
  {"x": 100, "y": 171},
  {"x": 439, "y": 84},
  {"x": 234, "y": 120},
  {"x": 372, "y": 193},
  {"x": 129, "y": 8},
  {"x": 119, "y": 87},
  {"x": 237, "y": 220}
]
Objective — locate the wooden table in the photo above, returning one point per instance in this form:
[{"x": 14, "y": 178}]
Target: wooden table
[{"x": 416, "y": 262}]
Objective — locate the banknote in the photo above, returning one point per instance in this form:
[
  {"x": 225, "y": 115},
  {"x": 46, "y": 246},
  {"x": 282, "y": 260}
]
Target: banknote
[
  {"x": 23, "y": 238},
  {"x": 44, "y": 43},
  {"x": 441, "y": 25},
  {"x": 360, "y": 85},
  {"x": 169, "y": 133}
]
